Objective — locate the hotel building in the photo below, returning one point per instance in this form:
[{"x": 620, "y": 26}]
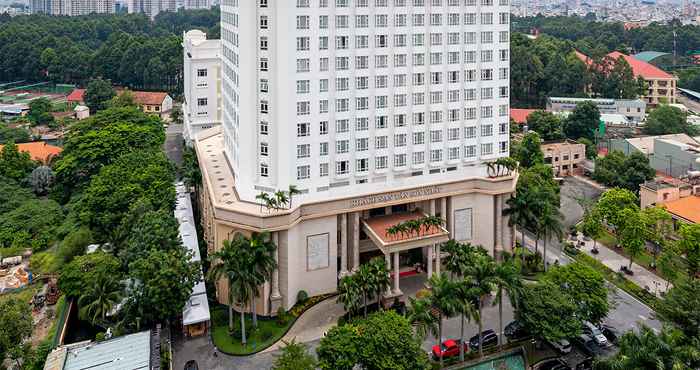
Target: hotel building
[{"x": 379, "y": 112}]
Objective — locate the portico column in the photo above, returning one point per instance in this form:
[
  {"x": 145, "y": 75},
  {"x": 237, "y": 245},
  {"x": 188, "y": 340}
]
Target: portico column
[
  {"x": 430, "y": 261},
  {"x": 343, "y": 244},
  {"x": 432, "y": 207},
  {"x": 356, "y": 240},
  {"x": 275, "y": 296},
  {"x": 438, "y": 261},
  {"x": 443, "y": 210},
  {"x": 498, "y": 217},
  {"x": 397, "y": 290},
  {"x": 387, "y": 259}
]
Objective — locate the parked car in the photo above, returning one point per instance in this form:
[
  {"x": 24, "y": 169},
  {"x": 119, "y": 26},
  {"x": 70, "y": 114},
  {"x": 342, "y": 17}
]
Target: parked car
[
  {"x": 563, "y": 346},
  {"x": 191, "y": 365},
  {"x": 515, "y": 330},
  {"x": 553, "y": 364},
  {"x": 589, "y": 344},
  {"x": 490, "y": 338},
  {"x": 611, "y": 333},
  {"x": 448, "y": 348},
  {"x": 596, "y": 334}
]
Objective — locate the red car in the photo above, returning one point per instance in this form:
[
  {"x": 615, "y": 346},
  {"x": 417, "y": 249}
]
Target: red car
[{"x": 449, "y": 348}]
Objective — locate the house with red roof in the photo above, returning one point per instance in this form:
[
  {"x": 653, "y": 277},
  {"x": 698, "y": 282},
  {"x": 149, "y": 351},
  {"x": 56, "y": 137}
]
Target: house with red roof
[
  {"x": 76, "y": 97},
  {"x": 39, "y": 151},
  {"x": 159, "y": 103},
  {"x": 661, "y": 85},
  {"x": 519, "y": 115}
]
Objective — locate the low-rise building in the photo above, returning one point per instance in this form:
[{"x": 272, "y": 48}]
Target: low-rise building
[
  {"x": 680, "y": 197},
  {"x": 159, "y": 103},
  {"x": 39, "y": 151},
  {"x": 674, "y": 154},
  {"x": 134, "y": 351},
  {"x": 566, "y": 157},
  {"x": 633, "y": 110},
  {"x": 201, "y": 108}
]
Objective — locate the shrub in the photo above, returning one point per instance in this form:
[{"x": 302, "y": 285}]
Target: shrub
[
  {"x": 281, "y": 316},
  {"x": 302, "y": 296},
  {"x": 99, "y": 337},
  {"x": 266, "y": 334}
]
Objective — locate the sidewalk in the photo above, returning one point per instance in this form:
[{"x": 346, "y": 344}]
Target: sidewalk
[{"x": 642, "y": 277}]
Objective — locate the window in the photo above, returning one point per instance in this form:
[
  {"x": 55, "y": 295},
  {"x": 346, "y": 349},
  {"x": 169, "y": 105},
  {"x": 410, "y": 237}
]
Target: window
[
  {"x": 436, "y": 155},
  {"x": 470, "y": 151},
  {"x": 323, "y": 149},
  {"x": 418, "y": 157},
  {"x": 303, "y": 151},
  {"x": 263, "y": 170},
  {"x": 362, "y": 165},
  {"x": 303, "y": 86},
  {"x": 264, "y": 128},
  {"x": 342, "y": 167},
  {"x": 323, "y": 170},
  {"x": 323, "y": 127},
  {"x": 342, "y": 146},
  {"x": 399, "y": 160},
  {"x": 418, "y": 138},
  {"x": 202, "y": 102},
  {"x": 380, "y": 162},
  {"x": 303, "y": 172},
  {"x": 487, "y": 149},
  {"x": 264, "y": 149},
  {"x": 303, "y": 129},
  {"x": 201, "y": 73},
  {"x": 362, "y": 144}
]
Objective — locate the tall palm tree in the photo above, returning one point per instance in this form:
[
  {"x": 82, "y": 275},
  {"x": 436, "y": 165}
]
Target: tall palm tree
[
  {"x": 550, "y": 225},
  {"x": 420, "y": 315},
  {"x": 379, "y": 277},
  {"x": 466, "y": 295},
  {"x": 507, "y": 280},
  {"x": 364, "y": 281},
  {"x": 454, "y": 260},
  {"x": 443, "y": 299},
  {"x": 264, "y": 199},
  {"x": 100, "y": 298},
  {"x": 349, "y": 294},
  {"x": 282, "y": 198},
  {"x": 262, "y": 251},
  {"x": 520, "y": 213},
  {"x": 482, "y": 273},
  {"x": 232, "y": 263},
  {"x": 292, "y": 191}
]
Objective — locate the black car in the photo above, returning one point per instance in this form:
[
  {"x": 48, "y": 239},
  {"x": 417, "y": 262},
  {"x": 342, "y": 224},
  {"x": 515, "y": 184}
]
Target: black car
[
  {"x": 553, "y": 364},
  {"x": 490, "y": 338},
  {"x": 515, "y": 330},
  {"x": 191, "y": 365},
  {"x": 610, "y": 333}
]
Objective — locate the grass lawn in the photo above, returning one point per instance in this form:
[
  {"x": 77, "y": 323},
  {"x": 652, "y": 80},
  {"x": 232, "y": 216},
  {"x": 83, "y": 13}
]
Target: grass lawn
[
  {"x": 267, "y": 333},
  {"x": 608, "y": 239},
  {"x": 24, "y": 294}
]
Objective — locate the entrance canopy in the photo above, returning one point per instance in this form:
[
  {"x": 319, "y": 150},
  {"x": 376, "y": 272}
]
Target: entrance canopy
[{"x": 379, "y": 230}]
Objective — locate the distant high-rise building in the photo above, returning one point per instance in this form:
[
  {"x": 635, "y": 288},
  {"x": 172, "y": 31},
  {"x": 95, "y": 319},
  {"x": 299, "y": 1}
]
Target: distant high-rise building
[
  {"x": 197, "y": 4},
  {"x": 201, "y": 107},
  {"x": 72, "y": 7},
  {"x": 152, "y": 7}
]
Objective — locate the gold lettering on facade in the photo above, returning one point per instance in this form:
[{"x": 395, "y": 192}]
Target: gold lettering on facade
[{"x": 389, "y": 197}]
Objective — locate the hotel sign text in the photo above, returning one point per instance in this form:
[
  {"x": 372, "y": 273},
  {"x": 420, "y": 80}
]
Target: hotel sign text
[{"x": 389, "y": 197}]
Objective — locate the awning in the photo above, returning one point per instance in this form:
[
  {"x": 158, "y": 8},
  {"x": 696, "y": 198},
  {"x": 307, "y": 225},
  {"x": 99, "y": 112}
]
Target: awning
[{"x": 376, "y": 229}]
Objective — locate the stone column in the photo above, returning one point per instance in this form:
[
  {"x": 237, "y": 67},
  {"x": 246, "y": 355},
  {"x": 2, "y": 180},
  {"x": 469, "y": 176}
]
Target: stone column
[
  {"x": 275, "y": 296},
  {"x": 356, "y": 240},
  {"x": 343, "y": 244},
  {"x": 387, "y": 259},
  {"x": 430, "y": 260},
  {"x": 438, "y": 260},
  {"x": 431, "y": 211},
  {"x": 397, "y": 289},
  {"x": 498, "y": 218},
  {"x": 443, "y": 210}
]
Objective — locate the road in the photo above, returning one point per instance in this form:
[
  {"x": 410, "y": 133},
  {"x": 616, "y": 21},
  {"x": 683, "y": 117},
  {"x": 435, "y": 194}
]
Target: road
[{"x": 174, "y": 143}]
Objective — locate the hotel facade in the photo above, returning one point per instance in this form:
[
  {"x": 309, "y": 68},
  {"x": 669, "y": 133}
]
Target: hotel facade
[{"x": 379, "y": 112}]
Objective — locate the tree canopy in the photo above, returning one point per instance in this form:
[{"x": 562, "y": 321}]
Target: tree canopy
[
  {"x": 666, "y": 119},
  {"x": 548, "y": 312},
  {"x": 585, "y": 286},
  {"x": 619, "y": 170},
  {"x": 583, "y": 121},
  {"x": 98, "y": 94}
]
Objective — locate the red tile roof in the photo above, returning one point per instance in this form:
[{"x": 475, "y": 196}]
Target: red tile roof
[
  {"x": 520, "y": 115},
  {"x": 76, "y": 95},
  {"x": 39, "y": 150},
  {"x": 583, "y": 57},
  {"x": 380, "y": 224},
  {"x": 148, "y": 98},
  {"x": 641, "y": 68},
  {"x": 687, "y": 208}
]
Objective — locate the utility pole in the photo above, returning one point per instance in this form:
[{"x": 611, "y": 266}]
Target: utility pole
[{"x": 670, "y": 165}]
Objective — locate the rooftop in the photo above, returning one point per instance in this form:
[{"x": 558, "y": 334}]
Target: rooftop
[
  {"x": 76, "y": 95},
  {"x": 648, "y": 56},
  {"x": 149, "y": 98},
  {"x": 639, "y": 67},
  {"x": 687, "y": 208},
  {"x": 645, "y": 144},
  {"x": 520, "y": 115},
  {"x": 377, "y": 229},
  {"x": 39, "y": 150},
  {"x": 130, "y": 352}
]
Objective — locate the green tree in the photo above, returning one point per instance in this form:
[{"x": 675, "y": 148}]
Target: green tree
[
  {"x": 98, "y": 94},
  {"x": 636, "y": 170},
  {"x": 592, "y": 225},
  {"x": 153, "y": 229},
  {"x": 613, "y": 78},
  {"x": 585, "y": 286},
  {"x": 165, "y": 281},
  {"x": 387, "y": 343},
  {"x": 582, "y": 122},
  {"x": 140, "y": 174},
  {"x": 550, "y": 225},
  {"x": 633, "y": 233},
  {"x": 608, "y": 169},
  {"x": 349, "y": 294},
  {"x": 612, "y": 203},
  {"x": 41, "y": 180},
  {"x": 680, "y": 307},
  {"x": 659, "y": 225},
  {"x": 591, "y": 150},
  {"x": 689, "y": 245},
  {"x": 466, "y": 296},
  {"x": 263, "y": 264},
  {"x": 548, "y": 313},
  {"x": 442, "y": 298},
  {"x": 546, "y": 124},
  {"x": 15, "y": 134},
  {"x": 528, "y": 152},
  {"x": 482, "y": 274},
  {"x": 339, "y": 348},
  {"x": 31, "y": 224},
  {"x": 644, "y": 349},
  {"x": 666, "y": 119},
  {"x": 81, "y": 272},
  {"x": 74, "y": 244},
  {"x": 14, "y": 164},
  {"x": 16, "y": 323},
  {"x": 40, "y": 111},
  {"x": 294, "y": 356},
  {"x": 507, "y": 281},
  {"x": 99, "y": 299}
]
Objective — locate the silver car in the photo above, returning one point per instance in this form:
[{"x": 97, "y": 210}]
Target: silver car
[{"x": 595, "y": 333}]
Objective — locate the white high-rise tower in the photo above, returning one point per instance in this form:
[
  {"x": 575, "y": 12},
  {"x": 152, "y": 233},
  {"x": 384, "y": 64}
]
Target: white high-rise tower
[{"x": 371, "y": 108}]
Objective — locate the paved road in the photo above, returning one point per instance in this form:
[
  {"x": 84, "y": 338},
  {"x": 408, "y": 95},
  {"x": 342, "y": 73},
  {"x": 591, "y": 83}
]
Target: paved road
[{"x": 173, "y": 143}]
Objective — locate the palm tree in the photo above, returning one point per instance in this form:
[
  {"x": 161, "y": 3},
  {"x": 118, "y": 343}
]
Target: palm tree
[
  {"x": 364, "y": 281},
  {"x": 100, "y": 298},
  {"x": 414, "y": 227},
  {"x": 482, "y": 273},
  {"x": 507, "y": 280},
  {"x": 379, "y": 277},
  {"x": 550, "y": 225},
  {"x": 349, "y": 294},
  {"x": 262, "y": 251},
  {"x": 454, "y": 261},
  {"x": 263, "y": 198},
  {"x": 231, "y": 262},
  {"x": 520, "y": 213},
  {"x": 281, "y": 198},
  {"x": 420, "y": 315},
  {"x": 402, "y": 229},
  {"x": 292, "y": 191},
  {"x": 443, "y": 300},
  {"x": 466, "y": 295}
]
